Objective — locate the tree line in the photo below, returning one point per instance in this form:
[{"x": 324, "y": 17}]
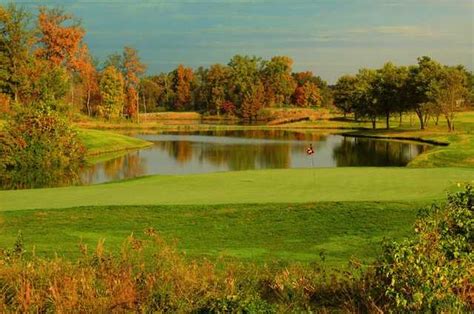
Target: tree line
[
  {"x": 45, "y": 60},
  {"x": 429, "y": 89},
  {"x": 241, "y": 87}
]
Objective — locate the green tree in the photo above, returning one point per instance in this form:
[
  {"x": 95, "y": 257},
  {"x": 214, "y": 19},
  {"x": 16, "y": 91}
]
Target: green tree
[
  {"x": 389, "y": 90},
  {"x": 345, "y": 94},
  {"x": 449, "y": 92},
  {"x": 150, "y": 92},
  {"x": 365, "y": 97},
  {"x": 15, "y": 43},
  {"x": 278, "y": 81},
  {"x": 245, "y": 84},
  {"x": 420, "y": 80},
  {"x": 112, "y": 92}
]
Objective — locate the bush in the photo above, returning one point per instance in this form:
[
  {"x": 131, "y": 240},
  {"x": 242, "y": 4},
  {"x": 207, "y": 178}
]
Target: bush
[
  {"x": 434, "y": 272},
  {"x": 38, "y": 148}
]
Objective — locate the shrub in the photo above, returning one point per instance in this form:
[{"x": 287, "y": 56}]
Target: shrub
[
  {"x": 434, "y": 272},
  {"x": 38, "y": 148}
]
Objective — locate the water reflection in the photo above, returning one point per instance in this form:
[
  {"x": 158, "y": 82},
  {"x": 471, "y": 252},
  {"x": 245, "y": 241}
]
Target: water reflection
[{"x": 201, "y": 152}]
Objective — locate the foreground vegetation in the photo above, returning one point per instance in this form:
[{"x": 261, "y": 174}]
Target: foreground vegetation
[{"x": 431, "y": 272}]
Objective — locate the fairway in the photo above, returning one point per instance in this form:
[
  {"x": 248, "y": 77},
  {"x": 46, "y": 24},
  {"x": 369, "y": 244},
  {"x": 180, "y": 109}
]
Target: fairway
[{"x": 252, "y": 187}]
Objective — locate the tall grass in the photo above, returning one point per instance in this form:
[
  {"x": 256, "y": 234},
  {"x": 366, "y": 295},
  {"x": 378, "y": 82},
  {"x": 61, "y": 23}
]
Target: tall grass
[{"x": 169, "y": 282}]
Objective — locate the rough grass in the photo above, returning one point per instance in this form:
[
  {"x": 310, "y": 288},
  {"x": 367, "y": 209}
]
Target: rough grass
[
  {"x": 252, "y": 187},
  {"x": 257, "y": 233}
]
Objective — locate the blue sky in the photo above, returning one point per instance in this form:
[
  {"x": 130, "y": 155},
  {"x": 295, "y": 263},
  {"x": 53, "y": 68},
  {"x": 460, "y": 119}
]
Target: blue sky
[{"x": 328, "y": 37}]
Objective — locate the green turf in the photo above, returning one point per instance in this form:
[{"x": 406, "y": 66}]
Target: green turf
[
  {"x": 101, "y": 142},
  {"x": 263, "y": 232},
  {"x": 263, "y": 186}
]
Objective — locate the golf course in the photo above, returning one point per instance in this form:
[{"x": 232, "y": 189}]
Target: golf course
[
  {"x": 236, "y": 157},
  {"x": 290, "y": 215}
]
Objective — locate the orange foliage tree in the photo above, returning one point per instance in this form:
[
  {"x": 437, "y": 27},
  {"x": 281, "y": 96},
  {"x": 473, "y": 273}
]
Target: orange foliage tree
[
  {"x": 60, "y": 37},
  {"x": 183, "y": 78},
  {"x": 307, "y": 92},
  {"x": 60, "y": 41}
]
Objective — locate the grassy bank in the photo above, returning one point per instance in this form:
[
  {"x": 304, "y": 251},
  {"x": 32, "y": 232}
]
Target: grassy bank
[
  {"x": 249, "y": 187},
  {"x": 102, "y": 142},
  {"x": 257, "y": 233}
]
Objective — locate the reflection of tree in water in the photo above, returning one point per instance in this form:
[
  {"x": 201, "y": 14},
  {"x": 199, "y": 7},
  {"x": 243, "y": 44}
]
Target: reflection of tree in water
[
  {"x": 364, "y": 152},
  {"x": 242, "y": 157},
  {"x": 234, "y": 156},
  {"x": 181, "y": 151},
  {"x": 127, "y": 166},
  {"x": 262, "y": 134}
]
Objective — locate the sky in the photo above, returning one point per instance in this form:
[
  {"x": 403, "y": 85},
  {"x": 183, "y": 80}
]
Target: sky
[{"x": 328, "y": 37}]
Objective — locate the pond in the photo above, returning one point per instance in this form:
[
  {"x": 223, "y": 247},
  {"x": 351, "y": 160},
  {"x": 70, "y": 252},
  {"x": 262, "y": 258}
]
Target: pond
[{"x": 213, "y": 151}]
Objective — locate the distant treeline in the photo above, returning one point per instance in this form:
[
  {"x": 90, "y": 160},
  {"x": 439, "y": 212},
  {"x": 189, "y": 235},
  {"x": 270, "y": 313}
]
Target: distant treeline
[
  {"x": 428, "y": 89},
  {"x": 241, "y": 88}
]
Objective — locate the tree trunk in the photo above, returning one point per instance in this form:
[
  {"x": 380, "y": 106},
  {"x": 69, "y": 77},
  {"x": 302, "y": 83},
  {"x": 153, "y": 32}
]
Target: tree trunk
[
  {"x": 419, "y": 113},
  {"x": 374, "y": 123},
  {"x": 449, "y": 125},
  {"x": 138, "y": 106},
  {"x": 426, "y": 119},
  {"x": 88, "y": 102},
  {"x": 401, "y": 119},
  {"x": 387, "y": 120}
]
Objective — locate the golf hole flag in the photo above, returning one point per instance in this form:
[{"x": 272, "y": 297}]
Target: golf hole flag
[{"x": 310, "y": 150}]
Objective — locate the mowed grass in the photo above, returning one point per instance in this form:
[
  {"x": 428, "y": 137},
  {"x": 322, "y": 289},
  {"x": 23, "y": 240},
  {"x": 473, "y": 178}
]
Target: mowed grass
[
  {"x": 252, "y": 187},
  {"x": 248, "y": 232},
  {"x": 102, "y": 142}
]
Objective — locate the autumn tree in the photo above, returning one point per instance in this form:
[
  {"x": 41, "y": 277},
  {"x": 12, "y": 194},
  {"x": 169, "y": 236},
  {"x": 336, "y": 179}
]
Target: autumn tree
[
  {"x": 278, "y": 81},
  {"x": 15, "y": 41},
  {"x": 212, "y": 91},
  {"x": 60, "y": 37},
  {"x": 182, "y": 81},
  {"x": 89, "y": 78},
  {"x": 253, "y": 100},
  {"x": 112, "y": 92},
  {"x": 167, "y": 95},
  {"x": 133, "y": 68},
  {"x": 307, "y": 92},
  {"x": 60, "y": 41}
]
